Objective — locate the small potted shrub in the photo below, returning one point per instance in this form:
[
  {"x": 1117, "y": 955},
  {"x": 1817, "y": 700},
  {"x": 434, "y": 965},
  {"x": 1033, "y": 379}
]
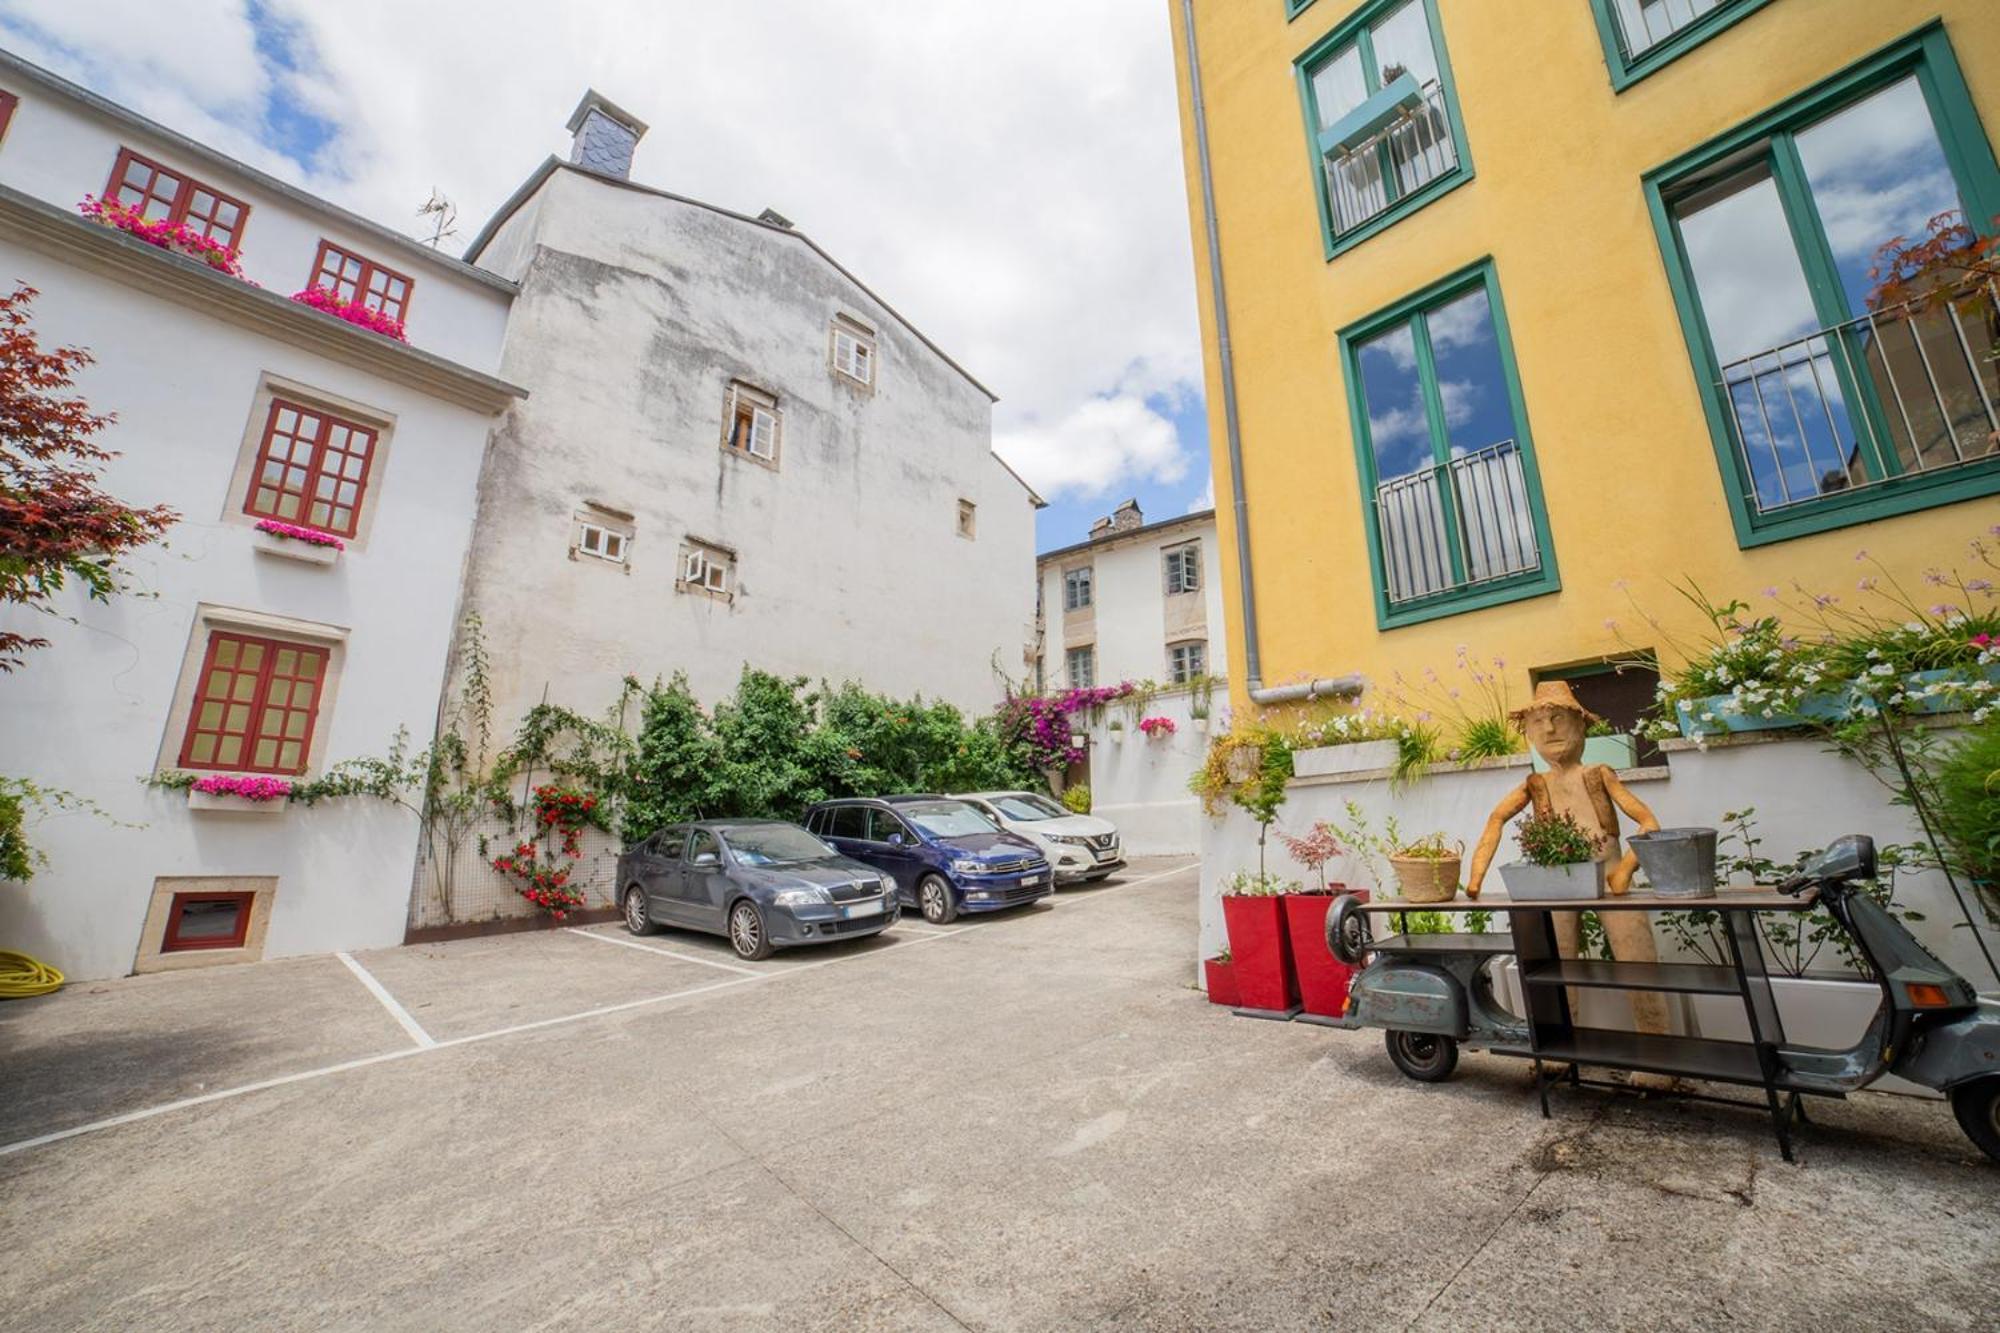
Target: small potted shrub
[
  {"x": 1115, "y": 728},
  {"x": 1076, "y": 798},
  {"x": 1426, "y": 868},
  {"x": 1560, "y": 860},
  {"x": 1259, "y": 950},
  {"x": 1323, "y": 979},
  {"x": 1220, "y": 972}
]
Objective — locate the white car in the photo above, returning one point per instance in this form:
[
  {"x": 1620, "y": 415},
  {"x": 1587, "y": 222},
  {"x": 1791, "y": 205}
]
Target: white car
[{"x": 1080, "y": 847}]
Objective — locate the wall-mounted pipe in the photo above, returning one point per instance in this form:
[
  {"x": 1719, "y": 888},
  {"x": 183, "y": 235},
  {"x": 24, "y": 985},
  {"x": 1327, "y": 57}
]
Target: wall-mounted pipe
[{"x": 1253, "y": 667}]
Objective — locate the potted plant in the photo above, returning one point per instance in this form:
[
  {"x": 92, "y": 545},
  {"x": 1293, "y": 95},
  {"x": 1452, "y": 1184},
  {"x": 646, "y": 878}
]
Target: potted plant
[
  {"x": 1426, "y": 868},
  {"x": 1115, "y": 728},
  {"x": 1201, "y": 696},
  {"x": 1260, "y": 952},
  {"x": 1323, "y": 979},
  {"x": 1076, "y": 798},
  {"x": 1220, "y": 973},
  {"x": 1561, "y": 860},
  {"x": 1157, "y": 728}
]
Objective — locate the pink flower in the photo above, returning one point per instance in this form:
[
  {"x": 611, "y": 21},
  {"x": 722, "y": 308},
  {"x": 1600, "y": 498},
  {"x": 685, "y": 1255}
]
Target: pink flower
[
  {"x": 249, "y": 788},
  {"x": 354, "y": 312},
  {"x": 1982, "y": 641},
  {"x": 310, "y": 536}
]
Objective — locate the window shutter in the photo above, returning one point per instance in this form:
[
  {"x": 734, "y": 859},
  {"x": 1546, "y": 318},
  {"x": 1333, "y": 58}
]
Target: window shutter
[
  {"x": 763, "y": 433},
  {"x": 695, "y": 568}
]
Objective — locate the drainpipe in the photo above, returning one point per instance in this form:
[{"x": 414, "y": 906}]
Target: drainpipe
[{"x": 1327, "y": 687}]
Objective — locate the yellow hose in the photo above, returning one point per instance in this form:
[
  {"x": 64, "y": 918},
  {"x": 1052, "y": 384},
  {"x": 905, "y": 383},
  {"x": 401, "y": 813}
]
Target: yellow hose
[{"x": 22, "y": 976}]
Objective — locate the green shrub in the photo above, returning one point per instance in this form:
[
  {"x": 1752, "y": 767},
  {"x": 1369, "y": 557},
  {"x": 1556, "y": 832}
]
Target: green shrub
[
  {"x": 1968, "y": 802},
  {"x": 1077, "y": 799}
]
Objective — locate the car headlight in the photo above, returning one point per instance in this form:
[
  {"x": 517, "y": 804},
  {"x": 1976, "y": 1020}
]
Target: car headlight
[
  {"x": 887, "y": 885},
  {"x": 800, "y": 898},
  {"x": 968, "y": 867}
]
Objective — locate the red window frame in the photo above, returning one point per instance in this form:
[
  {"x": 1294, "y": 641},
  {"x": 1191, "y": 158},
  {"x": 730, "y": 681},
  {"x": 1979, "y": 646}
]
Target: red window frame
[
  {"x": 8, "y": 101},
  {"x": 170, "y": 193},
  {"x": 172, "y": 942},
  {"x": 249, "y": 693},
  {"x": 355, "y": 277},
  {"x": 312, "y": 468}
]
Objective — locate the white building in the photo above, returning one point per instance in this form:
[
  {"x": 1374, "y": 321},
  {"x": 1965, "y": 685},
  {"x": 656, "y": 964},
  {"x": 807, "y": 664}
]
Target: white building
[
  {"x": 734, "y": 453},
  {"x": 240, "y": 653},
  {"x": 1140, "y": 602}
]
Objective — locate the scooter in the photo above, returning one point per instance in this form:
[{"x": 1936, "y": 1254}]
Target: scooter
[{"x": 1433, "y": 992}]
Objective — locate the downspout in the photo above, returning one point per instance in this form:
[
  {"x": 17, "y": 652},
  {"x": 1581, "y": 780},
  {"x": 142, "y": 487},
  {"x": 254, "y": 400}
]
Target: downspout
[{"x": 1335, "y": 686}]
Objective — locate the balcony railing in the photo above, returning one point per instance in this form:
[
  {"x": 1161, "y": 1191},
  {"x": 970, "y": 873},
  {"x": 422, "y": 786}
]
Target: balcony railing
[
  {"x": 1488, "y": 533},
  {"x": 1905, "y": 391},
  {"x": 1407, "y": 153},
  {"x": 1644, "y": 24}
]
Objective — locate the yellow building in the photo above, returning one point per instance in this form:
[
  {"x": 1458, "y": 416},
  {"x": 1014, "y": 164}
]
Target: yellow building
[{"x": 1529, "y": 299}]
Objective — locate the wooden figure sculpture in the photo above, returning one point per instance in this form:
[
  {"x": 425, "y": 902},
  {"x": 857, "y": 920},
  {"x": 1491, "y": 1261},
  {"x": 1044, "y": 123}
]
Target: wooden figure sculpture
[{"x": 1555, "y": 724}]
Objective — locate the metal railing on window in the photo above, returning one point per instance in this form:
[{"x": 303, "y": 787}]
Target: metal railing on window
[
  {"x": 1910, "y": 390},
  {"x": 1407, "y": 153},
  {"x": 1456, "y": 525},
  {"x": 1644, "y": 24}
]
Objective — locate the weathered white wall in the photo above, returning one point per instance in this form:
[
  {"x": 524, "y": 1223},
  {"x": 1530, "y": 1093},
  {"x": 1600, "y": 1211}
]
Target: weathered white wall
[
  {"x": 89, "y": 713},
  {"x": 1130, "y": 604},
  {"x": 1141, "y": 785},
  {"x": 636, "y": 312},
  {"x": 1804, "y": 797},
  {"x": 62, "y": 144}
]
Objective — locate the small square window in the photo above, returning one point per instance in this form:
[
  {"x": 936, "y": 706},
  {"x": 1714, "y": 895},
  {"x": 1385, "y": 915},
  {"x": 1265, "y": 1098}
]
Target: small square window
[
  {"x": 1081, "y": 663},
  {"x": 854, "y": 351},
  {"x": 968, "y": 518},
  {"x": 1077, "y": 593},
  {"x": 1183, "y": 568},
  {"x": 155, "y": 192},
  {"x": 352, "y": 278},
  {"x": 707, "y": 569},
  {"x": 751, "y": 423},
  {"x": 312, "y": 469},
  {"x": 1186, "y": 660},
  {"x": 597, "y": 538},
  {"x": 256, "y": 703},
  {"x": 207, "y": 921}
]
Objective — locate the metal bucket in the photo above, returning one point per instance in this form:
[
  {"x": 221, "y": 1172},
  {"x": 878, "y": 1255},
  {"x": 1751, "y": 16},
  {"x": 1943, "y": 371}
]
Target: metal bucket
[{"x": 1679, "y": 862}]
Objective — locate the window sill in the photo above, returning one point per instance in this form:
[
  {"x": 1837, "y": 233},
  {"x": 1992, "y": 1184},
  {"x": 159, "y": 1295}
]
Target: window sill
[
  {"x": 291, "y": 548},
  {"x": 1906, "y": 495},
  {"x": 209, "y": 802},
  {"x": 1396, "y": 212},
  {"x": 1625, "y": 73},
  {"x": 1477, "y": 599}
]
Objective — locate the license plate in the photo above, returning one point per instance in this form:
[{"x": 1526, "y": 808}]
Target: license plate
[
  {"x": 1107, "y": 854},
  {"x": 862, "y": 909},
  {"x": 1030, "y": 881}
]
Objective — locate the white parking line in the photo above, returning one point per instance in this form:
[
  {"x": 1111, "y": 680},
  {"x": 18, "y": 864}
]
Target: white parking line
[
  {"x": 381, "y": 992},
  {"x": 664, "y": 953}
]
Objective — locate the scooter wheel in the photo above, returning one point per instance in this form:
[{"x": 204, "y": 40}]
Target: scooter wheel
[
  {"x": 1423, "y": 1056},
  {"x": 1347, "y": 934},
  {"x": 1977, "y": 1106}
]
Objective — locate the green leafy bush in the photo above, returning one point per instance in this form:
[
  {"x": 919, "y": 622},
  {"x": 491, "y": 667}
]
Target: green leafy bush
[
  {"x": 1554, "y": 840},
  {"x": 1968, "y": 802},
  {"x": 1076, "y": 799}
]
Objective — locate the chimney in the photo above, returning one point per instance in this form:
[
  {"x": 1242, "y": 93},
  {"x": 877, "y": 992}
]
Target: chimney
[
  {"x": 1127, "y": 517},
  {"x": 1099, "y": 528},
  {"x": 604, "y": 135},
  {"x": 774, "y": 218}
]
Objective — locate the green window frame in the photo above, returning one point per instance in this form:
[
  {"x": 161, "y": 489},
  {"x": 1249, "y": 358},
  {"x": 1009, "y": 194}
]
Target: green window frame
[
  {"x": 1628, "y": 68},
  {"x": 1466, "y": 594},
  {"x": 1927, "y": 55},
  {"x": 1423, "y": 150},
  {"x": 1294, "y": 8}
]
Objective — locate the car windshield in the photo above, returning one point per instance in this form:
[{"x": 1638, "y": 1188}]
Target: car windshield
[
  {"x": 774, "y": 844},
  {"x": 1028, "y": 807},
  {"x": 946, "y": 819}
]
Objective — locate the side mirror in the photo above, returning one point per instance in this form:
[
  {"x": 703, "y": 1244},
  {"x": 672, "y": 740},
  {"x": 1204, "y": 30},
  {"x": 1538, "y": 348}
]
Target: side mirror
[
  {"x": 705, "y": 859},
  {"x": 897, "y": 840}
]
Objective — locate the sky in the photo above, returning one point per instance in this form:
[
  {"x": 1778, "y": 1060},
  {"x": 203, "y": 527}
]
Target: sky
[{"x": 1007, "y": 176}]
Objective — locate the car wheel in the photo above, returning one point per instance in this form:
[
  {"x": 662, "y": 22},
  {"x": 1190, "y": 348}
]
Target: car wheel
[
  {"x": 1423, "y": 1056},
  {"x": 636, "y": 919},
  {"x": 934, "y": 898},
  {"x": 746, "y": 931},
  {"x": 1977, "y": 1106}
]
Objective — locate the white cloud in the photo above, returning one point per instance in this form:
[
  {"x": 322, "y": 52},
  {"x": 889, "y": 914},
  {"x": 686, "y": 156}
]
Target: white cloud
[
  {"x": 1103, "y": 444},
  {"x": 1008, "y": 176},
  {"x": 1206, "y": 500}
]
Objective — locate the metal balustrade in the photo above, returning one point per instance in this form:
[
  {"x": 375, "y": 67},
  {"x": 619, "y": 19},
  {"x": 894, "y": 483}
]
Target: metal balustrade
[
  {"x": 1644, "y": 24},
  {"x": 1407, "y": 153},
  {"x": 1905, "y": 391},
  {"x": 1488, "y": 534}
]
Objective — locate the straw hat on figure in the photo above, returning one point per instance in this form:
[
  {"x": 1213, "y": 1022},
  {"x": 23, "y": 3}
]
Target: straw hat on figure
[{"x": 1555, "y": 724}]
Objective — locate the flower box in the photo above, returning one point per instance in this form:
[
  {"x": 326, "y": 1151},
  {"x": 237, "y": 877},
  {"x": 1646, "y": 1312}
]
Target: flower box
[
  {"x": 1718, "y": 716},
  {"x": 291, "y": 548},
  {"x": 1220, "y": 974},
  {"x": 1949, "y": 701},
  {"x": 1323, "y": 979},
  {"x": 1261, "y": 954},
  {"x": 1620, "y": 751},
  {"x": 1580, "y": 880},
  {"x": 213, "y": 802},
  {"x": 1354, "y": 757}
]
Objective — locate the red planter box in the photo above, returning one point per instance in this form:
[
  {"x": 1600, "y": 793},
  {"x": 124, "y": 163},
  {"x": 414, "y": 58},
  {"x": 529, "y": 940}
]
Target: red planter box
[
  {"x": 1323, "y": 979},
  {"x": 1221, "y": 981},
  {"x": 1260, "y": 952}
]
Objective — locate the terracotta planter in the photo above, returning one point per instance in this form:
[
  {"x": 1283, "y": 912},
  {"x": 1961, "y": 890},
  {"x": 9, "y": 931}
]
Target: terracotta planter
[
  {"x": 1323, "y": 979},
  {"x": 1222, "y": 989},
  {"x": 1260, "y": 951},
  {"x": 1426, "y": 879}
]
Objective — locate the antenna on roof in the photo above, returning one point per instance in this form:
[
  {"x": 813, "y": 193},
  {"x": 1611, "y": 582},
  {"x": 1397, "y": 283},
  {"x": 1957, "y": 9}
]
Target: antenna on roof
[{"x": 446, "y": 214}]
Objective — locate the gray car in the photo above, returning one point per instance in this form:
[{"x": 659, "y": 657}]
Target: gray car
[{"x": 764, "y": 884}]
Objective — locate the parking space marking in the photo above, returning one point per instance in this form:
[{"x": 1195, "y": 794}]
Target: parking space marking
[
  {"x": 430, "y": 1045},
  {"x": 664, "y": 953},
  {"x": 396, "y": 1011}
]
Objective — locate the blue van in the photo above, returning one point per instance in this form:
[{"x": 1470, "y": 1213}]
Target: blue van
[{"x": 944, "y": 856}]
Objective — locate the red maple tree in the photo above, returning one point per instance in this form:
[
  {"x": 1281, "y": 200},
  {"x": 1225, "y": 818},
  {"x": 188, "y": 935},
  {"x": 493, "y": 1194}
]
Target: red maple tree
[{"x": 55, "y": 522}]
